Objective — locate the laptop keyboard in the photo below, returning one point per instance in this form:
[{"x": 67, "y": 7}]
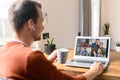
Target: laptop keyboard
[{"x": 83, "y": 61}]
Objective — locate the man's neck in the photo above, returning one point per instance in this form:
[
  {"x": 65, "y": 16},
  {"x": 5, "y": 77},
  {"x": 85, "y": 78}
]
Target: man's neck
[{"x": 25, "y": 40}]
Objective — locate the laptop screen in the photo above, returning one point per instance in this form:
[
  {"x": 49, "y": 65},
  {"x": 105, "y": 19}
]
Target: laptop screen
[{"x": 93, "y": 47}]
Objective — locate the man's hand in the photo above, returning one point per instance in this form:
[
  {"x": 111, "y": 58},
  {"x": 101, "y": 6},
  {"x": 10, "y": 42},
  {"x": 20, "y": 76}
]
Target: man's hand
[
  {"x": 95, "y": 69},
  {"x": 52, "y": 57}
]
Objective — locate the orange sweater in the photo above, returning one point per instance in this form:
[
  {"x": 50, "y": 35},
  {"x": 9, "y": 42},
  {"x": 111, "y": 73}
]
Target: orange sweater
[{"x": 22, "y": 63}]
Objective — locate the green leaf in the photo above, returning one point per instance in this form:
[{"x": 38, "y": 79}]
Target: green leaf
[
  {"x": 49, "y": 41},
  {"x": 106, "y": 28},
  {"x": 52, "y": 40},
  {"x": 117, "y": 43}
]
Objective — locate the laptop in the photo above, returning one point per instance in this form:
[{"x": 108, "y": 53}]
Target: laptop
[{"x": 88, "y": 50}]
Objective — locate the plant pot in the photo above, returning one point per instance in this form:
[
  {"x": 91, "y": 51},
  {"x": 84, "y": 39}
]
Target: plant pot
[
  {"x": 106, "y": 35},
  {"x": 118, "y": 49},
  {"x": 49, "y": 48}
]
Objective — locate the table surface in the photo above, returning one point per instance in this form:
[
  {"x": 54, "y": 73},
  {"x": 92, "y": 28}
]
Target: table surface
[{"x": 111, "y": 73}]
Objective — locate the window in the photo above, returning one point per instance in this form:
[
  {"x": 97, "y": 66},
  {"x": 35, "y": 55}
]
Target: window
[{"x": 5, "y": 31}]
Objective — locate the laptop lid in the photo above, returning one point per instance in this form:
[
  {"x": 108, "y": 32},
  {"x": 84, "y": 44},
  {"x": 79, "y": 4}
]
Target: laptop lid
[{"x": 92, "y": 48}]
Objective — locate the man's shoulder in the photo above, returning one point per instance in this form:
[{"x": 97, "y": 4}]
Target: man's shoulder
[
  {"x": 34, "y": 54},
  {"x": 93, "y": 43},
  {"x": 36, "y": 58}
]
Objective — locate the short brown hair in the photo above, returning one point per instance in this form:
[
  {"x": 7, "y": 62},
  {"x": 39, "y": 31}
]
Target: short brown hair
[{"x": 21, "y": 11}]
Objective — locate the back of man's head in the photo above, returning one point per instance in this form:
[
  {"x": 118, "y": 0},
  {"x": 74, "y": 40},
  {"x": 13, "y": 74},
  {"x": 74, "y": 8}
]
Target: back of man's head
[{"x": 21, "y": 11}]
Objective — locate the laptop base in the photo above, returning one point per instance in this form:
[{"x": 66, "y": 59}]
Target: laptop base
[{"x": 82, "y": 63}]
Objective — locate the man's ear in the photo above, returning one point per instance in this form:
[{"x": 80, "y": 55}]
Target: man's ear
[{"x": 30, "y": 25}]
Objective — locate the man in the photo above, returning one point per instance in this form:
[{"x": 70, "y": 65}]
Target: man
[
  {"x": 94, "y": 47},
  {"x": 96, "y": 44},
  {"x": 19, "y": 62}
]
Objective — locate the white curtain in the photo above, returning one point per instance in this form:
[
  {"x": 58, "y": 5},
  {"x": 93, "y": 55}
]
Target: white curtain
[{"x": 95, "y": 4}]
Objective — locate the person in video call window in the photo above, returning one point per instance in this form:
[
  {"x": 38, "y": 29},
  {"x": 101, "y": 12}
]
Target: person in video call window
[
  {"x": 101, "y": 51},
  {"x": 94, "y": 47},
  {"x": 84, "y": 52},
  {"x": 96, "y": 44},
  {"x": 84, "y": 43},
  {"x": 19, "y": 62}
]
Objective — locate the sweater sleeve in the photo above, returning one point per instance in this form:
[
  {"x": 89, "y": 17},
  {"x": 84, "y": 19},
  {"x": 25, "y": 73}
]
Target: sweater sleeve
[{"x": 39, "y": 68}]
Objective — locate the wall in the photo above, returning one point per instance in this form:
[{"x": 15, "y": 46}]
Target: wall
[
  {"x": 110, "y": 12},
  {"x": 63, "y": 21}
]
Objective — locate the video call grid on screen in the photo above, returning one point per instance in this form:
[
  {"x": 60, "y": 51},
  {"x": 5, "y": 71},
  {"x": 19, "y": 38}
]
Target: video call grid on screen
[{"x": 87, "y": 47}]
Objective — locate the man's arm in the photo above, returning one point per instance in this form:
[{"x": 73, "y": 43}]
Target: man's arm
[
  {"x": 39, "y": 68},
  {"x": 95, "y": 69}
]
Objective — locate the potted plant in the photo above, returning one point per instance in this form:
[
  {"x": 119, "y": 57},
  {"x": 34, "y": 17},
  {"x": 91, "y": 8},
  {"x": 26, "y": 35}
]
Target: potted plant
[
  {"x": 118, "y": 46},
  {"x": 106, "y": 29},
  {"x": 49, "y": 46}
]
